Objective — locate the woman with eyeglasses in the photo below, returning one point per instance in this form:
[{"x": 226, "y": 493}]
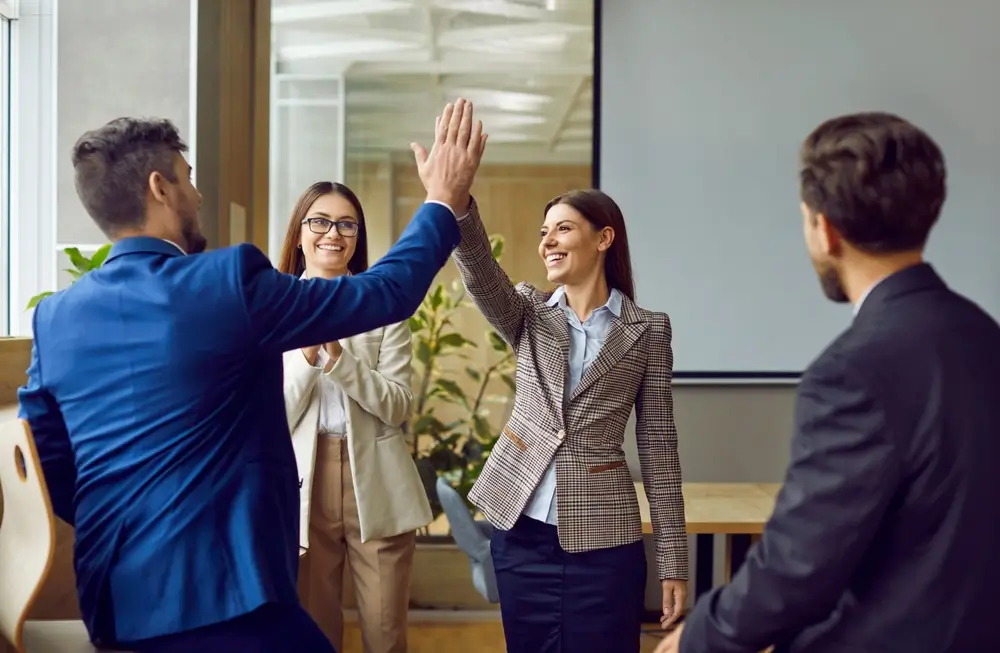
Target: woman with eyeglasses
[{"x": 361, "y": 496}]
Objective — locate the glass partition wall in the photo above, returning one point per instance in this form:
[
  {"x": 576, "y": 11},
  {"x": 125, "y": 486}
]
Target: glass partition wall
[{"x": 354, "y": 83}]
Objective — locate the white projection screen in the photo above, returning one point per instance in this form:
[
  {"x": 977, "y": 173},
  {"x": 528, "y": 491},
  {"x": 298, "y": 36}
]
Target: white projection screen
[{"x": 701, "y": 106}]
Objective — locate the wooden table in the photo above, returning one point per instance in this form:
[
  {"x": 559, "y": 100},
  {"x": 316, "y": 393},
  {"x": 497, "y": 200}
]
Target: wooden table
[{"x": 736, "y": 510}]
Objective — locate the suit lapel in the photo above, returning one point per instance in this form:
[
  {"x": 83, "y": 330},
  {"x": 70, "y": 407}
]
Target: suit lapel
[
  {"x": 555, "y": 321},
  {"x": 622, "y": 335}
]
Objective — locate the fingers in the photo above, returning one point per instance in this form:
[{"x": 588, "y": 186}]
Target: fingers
[
  {"x": 475, "y": 140},
  {"x": 419, "y": 153},
  {"x": 482, "y": 145},
  {"x": 443, "y": 121},
  {"x": 454, "y": 121},
  {"x": 465, "y": 124},
  {"x": 673, "y": 606}
]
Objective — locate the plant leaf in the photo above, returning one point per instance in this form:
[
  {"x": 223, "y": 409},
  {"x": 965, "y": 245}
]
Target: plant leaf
[
  {"x": 79, "y": 261},
  {"x": 482, "y": 428},
  {"x": 436, "y": 297},
  {"x": 509, "y": 381},
  {"x": 451, "y": 390},
  {"x": 496, "y": 341},
  {"x": 454, "y": 339},
  {"x": 423, "y": 351},
  {"x": 429, "y": 425},
  {"x": 101, "y": 255},
  {"x": 37, "y": 298},
  {"x": 496, "y": 246}
]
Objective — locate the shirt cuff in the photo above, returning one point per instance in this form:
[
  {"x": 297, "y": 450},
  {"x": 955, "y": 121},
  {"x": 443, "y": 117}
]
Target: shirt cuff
[
  {"x": 318, "y": 365},
  {"x": 447, "y": 207},
  {"x": 325, "y": 364}
]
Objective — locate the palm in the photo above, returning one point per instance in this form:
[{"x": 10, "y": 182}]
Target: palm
[{"x": 447, "y": 171}]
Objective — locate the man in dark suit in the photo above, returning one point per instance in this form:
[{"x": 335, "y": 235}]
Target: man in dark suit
[
  {"x": 885, "y": 534},
  {"x": 155, "y": 396}
]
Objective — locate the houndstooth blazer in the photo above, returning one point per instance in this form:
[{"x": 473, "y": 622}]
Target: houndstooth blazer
[{"x": 595, "y": 496}]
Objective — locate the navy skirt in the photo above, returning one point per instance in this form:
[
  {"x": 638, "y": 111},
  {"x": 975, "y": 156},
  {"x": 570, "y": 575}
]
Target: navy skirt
[{"x": 552, "y": 601}]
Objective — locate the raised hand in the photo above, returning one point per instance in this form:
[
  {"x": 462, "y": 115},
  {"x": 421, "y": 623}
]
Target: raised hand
[{"x": 448, "y": 170}]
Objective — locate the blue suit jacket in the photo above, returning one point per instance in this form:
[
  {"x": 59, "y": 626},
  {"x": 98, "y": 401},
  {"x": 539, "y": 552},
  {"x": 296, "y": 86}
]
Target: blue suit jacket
[{"x": 155, "y": 396}]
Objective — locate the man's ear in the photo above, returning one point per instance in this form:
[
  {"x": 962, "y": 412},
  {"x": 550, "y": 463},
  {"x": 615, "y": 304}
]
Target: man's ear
[
  {"x": 830, "y": 241},
  {"x": 158, "y": 187}
]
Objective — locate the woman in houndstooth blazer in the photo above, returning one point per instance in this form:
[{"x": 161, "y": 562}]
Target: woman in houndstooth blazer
[{"x": 568, "y": 550}]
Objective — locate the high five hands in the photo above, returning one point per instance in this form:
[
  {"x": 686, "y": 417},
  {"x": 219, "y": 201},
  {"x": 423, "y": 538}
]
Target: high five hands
[{"x": 447, "y": 171}]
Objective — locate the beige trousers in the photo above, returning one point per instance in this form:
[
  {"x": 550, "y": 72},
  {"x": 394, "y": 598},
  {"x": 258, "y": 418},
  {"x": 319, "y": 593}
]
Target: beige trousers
[{"x": 380, "y": 569}]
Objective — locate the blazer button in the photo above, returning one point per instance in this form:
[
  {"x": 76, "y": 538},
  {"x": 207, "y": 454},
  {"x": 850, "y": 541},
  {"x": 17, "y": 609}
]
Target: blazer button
[{"x": 561, "y": 434}]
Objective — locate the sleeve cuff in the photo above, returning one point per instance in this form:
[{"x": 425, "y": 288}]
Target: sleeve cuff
[
  {"x": 320, "y": 362},
  {"x": 337, "y": 365},
  {"x": 447, "y": 207}
]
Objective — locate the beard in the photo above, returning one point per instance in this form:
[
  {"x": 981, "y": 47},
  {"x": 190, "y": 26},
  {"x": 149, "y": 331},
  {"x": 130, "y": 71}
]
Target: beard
[
  {"x": 830, "y": 283},
  {"x": 195, "y": 241}
]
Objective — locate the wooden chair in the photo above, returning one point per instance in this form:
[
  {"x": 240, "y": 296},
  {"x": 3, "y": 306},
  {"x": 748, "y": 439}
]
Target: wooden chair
[{"x": 27, "y": 547}]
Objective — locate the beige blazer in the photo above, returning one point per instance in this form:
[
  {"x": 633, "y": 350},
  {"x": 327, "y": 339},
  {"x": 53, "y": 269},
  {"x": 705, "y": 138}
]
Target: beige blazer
[{"x": 374, "y": 371}]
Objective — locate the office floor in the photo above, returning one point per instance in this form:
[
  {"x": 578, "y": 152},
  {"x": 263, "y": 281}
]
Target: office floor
[{"x": 480, "y": 636}]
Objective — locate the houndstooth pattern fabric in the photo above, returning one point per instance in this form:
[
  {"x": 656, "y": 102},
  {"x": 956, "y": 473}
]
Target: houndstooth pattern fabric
[{"x": 596, "y": 498}]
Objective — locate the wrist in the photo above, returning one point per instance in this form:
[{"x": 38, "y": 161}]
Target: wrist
[{"x": 458, "y": 203}]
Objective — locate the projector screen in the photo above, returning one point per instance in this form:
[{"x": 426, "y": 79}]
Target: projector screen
[{"x": 703, "y": 105}]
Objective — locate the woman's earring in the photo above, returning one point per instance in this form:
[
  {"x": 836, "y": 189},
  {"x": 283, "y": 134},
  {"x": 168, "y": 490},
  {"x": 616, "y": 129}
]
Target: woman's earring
[{"x": 299, "y": 245}]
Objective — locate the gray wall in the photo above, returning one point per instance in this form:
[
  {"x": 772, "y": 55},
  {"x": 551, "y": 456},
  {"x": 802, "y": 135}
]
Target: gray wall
[
  {"x": 704, "y": 105},
  {"x": 115, "y": 59},
  {"x": 734, "y": 433},
  {"x": 727, "y": 434}
]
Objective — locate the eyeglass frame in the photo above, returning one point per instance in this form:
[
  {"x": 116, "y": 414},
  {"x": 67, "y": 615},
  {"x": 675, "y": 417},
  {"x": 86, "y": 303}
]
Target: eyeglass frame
[{"x": 333, "y": 224}]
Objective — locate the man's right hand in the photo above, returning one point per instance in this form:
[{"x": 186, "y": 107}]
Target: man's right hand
[{"x": 448, "y": 170}]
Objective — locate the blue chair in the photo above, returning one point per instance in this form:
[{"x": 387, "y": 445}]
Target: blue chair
[{"x": 473, "y": 537}]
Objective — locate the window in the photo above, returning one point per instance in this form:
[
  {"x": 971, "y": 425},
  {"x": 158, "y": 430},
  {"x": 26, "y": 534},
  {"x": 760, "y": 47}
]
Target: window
[
  {"x": 29, "y": 157},
  {"x": 355, "y": 82},
  {"x": 6, "y": 17}
]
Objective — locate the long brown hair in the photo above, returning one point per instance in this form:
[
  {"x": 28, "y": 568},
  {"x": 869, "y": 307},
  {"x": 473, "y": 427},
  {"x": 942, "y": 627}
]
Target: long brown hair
[
  {"x": 292, "y": 259},
  {"x": 601, "y": 211}
]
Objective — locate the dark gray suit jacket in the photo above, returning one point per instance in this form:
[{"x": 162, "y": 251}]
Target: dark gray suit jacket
[{"x": 886, "y": 533}]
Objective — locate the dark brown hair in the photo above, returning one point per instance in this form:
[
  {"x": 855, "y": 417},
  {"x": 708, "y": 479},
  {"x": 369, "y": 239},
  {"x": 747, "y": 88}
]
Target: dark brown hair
[
  {"x": 292, "y": 259},
  {"x": 112, "y": 165},
  {"x": 879, "y": 180},
  {"x": 601, "y": 211}
]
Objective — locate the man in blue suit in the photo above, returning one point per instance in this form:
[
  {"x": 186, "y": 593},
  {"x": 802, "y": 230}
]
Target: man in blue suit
[{"x": 155, "y": 395}]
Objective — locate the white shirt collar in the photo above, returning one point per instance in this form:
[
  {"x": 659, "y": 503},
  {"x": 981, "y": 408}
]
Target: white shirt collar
[
  {"x": 179, "y": 248},
  {"x": 614, "y": 303}
]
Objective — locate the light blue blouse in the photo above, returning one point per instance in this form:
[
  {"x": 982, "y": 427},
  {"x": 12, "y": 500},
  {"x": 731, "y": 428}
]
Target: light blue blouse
[{"x": 585, "y": 341}]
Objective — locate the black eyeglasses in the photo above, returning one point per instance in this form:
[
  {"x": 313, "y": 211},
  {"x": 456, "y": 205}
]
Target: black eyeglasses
[{"x": 346, "y": 228}]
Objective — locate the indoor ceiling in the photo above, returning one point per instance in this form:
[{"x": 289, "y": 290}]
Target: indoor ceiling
[{"x": 527, "y": 65}]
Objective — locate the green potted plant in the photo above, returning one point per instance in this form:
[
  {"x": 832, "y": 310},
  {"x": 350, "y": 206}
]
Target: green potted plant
[
  {"x": 81, "y": 266},
  {"x": 455, "y": 447}
]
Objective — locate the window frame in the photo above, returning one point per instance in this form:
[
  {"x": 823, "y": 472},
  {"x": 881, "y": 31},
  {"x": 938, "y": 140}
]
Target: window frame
[
  {"x": 32, "y": 220},
  {"x": 8, "y": 15}
]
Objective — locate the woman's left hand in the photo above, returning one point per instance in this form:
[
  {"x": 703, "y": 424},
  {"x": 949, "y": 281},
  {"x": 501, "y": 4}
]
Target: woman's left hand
[
  {"x": 334, "y": 350},
  {"x": 674, "y": 601}
]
